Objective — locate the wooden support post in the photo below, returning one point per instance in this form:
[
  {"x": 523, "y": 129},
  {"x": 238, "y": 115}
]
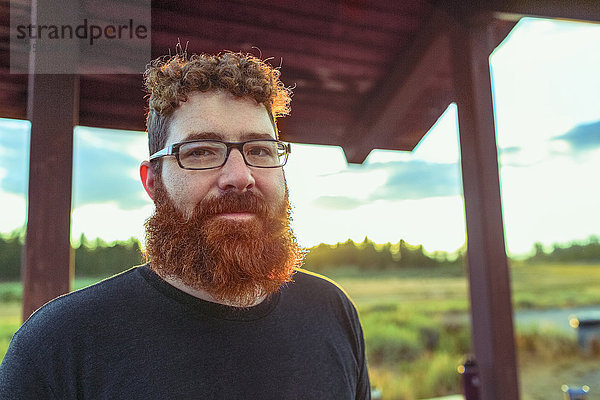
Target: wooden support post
[
  {"x": 52, "y": 110},
  {"x": 491, "y": 309}
]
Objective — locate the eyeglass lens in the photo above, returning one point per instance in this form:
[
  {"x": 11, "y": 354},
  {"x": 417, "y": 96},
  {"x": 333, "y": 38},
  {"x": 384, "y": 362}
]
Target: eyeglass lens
[{"x": 209, "y": 154}]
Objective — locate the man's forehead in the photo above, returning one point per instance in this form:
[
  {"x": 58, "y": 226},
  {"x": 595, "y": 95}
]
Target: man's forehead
[
  {"x": 198, "y": 135},
  {"x": 220, "y": 115}
]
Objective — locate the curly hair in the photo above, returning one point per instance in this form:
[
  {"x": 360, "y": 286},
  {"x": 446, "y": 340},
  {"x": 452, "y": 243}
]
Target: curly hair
[{"x": 170, "y": 79}]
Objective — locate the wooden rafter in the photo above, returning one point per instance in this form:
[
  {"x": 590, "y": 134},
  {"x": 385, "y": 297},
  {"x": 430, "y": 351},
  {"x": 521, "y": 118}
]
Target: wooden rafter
[{"x": 393, "y": 98}]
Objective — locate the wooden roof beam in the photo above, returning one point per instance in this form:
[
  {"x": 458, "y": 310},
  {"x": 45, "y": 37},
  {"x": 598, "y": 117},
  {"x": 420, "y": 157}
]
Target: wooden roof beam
[
  {"x": 381, "y": 114},
  {"x": 513, "y": 10}
]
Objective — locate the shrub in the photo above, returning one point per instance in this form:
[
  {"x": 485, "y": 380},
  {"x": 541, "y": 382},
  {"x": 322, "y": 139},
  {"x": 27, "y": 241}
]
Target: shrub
[
  {"x": 390, "y": 344},
  {"x": 440, "y": 375},
  {"x": 545, "y": 344},
  {"x": 455, "y": 338}
]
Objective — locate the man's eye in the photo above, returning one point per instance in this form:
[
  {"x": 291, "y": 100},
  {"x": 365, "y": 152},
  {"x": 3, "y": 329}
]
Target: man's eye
[
  {"x": 260, "y": 151},
  {"x": 199, "y": 152}
]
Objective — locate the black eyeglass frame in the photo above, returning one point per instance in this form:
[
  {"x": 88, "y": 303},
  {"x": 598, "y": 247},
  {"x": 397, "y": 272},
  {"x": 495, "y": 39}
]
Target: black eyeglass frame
[{"x": 173, "y": 150}]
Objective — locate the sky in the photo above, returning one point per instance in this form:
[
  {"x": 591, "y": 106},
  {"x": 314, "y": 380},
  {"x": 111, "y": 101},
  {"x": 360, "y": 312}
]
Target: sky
[{"x": 547, "y": 107}]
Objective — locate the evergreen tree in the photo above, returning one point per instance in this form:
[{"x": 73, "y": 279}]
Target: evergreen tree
[{"x": 11, "y": 247}]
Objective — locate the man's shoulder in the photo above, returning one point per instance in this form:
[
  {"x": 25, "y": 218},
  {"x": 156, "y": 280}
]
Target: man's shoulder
[
  {"x": 106, "y": 290},
  {"x": 305, "y": 277},
  {"x": 70, "y": 309},
  {"x": 320, "y": 300},
  {"x": 319, "y": 287},
  {"x": 64, "y": 333}
]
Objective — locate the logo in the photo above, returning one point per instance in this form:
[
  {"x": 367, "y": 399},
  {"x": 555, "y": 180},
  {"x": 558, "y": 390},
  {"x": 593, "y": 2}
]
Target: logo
[{"x": 80, "y": 37}]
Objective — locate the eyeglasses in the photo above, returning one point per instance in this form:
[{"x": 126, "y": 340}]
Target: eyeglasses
[{"x": 207, "y": 154}]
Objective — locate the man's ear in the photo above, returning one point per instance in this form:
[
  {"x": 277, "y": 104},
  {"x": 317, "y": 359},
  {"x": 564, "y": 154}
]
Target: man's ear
[{"x": 148, "y": 176}]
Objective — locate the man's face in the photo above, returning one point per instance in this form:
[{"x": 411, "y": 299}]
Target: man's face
[
  {"x": 226, "y": 230},
  {"x": 223, "y": 116}
]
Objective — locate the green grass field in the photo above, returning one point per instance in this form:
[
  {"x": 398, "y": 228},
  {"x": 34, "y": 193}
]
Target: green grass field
[{"x": 415, "y": 344}]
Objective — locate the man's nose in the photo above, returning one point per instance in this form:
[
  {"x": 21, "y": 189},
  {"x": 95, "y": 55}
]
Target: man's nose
[{"x": 235, "y": 174}]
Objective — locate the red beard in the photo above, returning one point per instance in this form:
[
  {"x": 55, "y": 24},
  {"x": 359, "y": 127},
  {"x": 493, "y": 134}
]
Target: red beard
[{"x": 234, "y": 261}]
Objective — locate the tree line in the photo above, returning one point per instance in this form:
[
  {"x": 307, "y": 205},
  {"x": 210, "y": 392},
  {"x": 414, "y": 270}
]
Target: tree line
[
  {"x": 92, "y": 258},
  {"x": 370, "y": 256},
  {"x": 97, "y": 258},
  {"x": 572, "y": 252}
]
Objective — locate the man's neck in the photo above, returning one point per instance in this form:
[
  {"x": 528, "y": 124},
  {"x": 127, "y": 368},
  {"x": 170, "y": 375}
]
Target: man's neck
[{"x": 204, "y": 295}]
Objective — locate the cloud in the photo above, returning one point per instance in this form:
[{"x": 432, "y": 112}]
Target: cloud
[
  {"x": 105, "y": 170},
  {"x": 105, "y": 174},
  {"x": 407, "y": 180},
  {"x": 509, "y": 150},
  {"x": 14, "y": 150},
  {"x": 338, "y": 202},
  {"x": 419, "y": 179},
  {"x": 583, "y": 137}
]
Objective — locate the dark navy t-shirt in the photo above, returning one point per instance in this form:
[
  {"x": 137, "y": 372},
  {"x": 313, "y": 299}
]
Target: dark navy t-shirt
[{"x": 134, "y": 336}]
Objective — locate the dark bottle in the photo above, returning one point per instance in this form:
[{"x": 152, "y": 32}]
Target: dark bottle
[{"x": 470, "y": 379}]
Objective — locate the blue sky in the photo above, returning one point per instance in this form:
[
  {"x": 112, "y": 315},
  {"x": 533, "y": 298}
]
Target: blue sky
[{"x": 547, "y": 104}]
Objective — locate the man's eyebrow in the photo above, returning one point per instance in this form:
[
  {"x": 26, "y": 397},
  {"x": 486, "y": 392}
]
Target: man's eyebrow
[
  {"x": 217, "y": 136},
  {"x": 256, "y": 135},
  {"x": 203, "y": 135}
]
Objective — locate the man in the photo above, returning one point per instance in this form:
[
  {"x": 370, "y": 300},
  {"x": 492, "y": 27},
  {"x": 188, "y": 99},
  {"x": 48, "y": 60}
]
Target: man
[{"x": 222, "y": 310}]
